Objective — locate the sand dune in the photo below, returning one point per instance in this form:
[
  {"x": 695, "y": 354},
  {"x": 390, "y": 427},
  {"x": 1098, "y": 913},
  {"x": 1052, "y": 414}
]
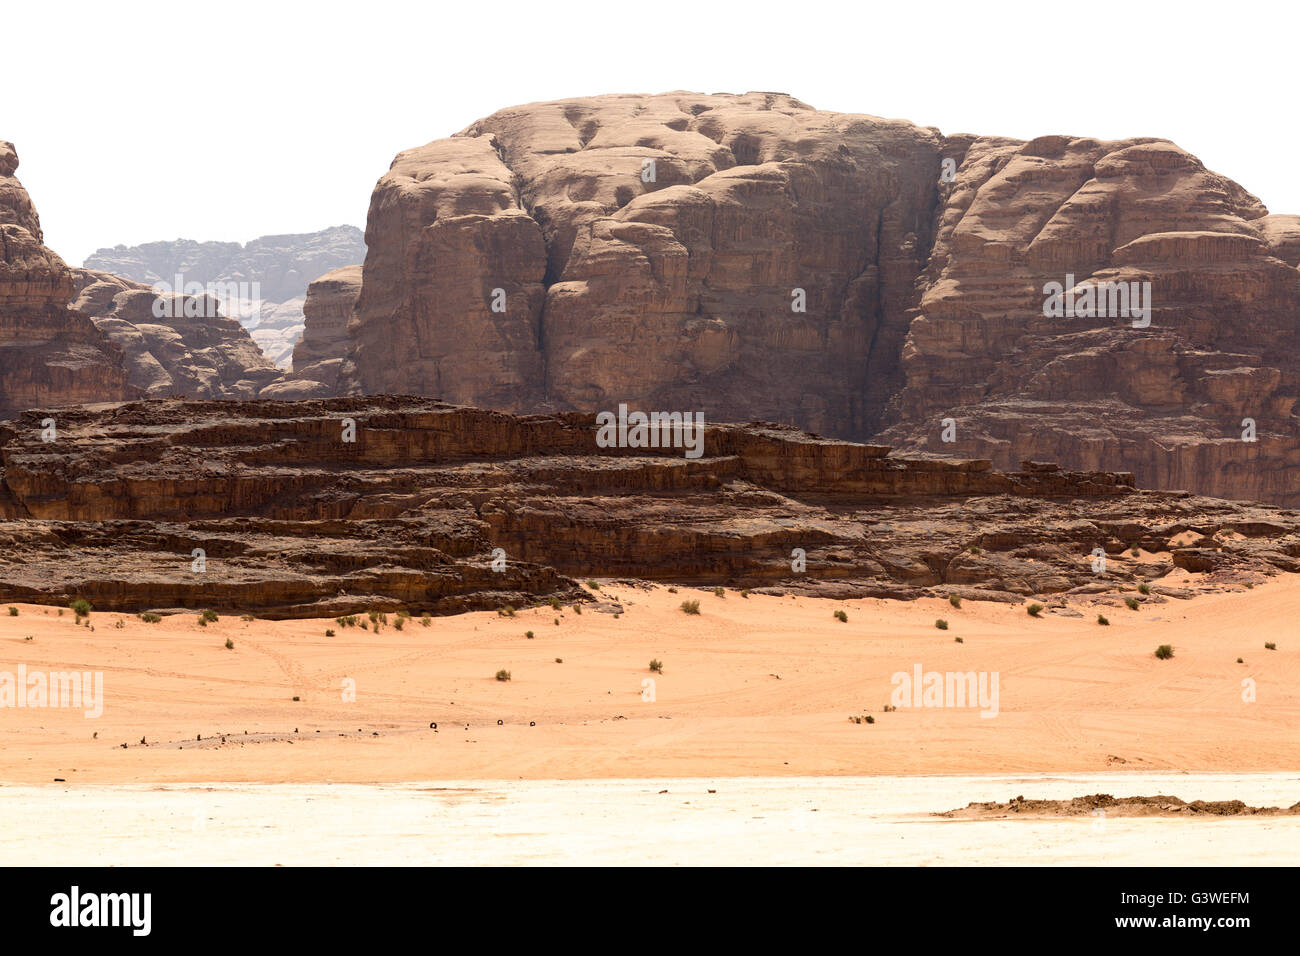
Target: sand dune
[{"x": 757, "y": 686}]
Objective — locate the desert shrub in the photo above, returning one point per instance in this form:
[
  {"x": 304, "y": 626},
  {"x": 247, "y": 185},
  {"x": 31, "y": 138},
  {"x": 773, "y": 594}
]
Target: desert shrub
[
  {"x": 593, "y": 585},
  {"x": 528, "y": 634},
  {"x": 744, "y": 592},
  {"x": 425, "y": 620},
  {"x": 150, "y": 618},
  {"x": 559, "y": 660},
  {"x": 959, "y": 640},
  {"x": 230, "y": 645},
  {"x": 941, "y": 624},
  {"x": 1103, "y": 620},
  {"x": 554, "y": 602},
  {"x": 720, "y": 592},
  {"x": 507, "y": 611},
  {"x": 1164, "y": 652},
  {"x": 1270, "y": 646},
  {"x": 81, "y": 607},
  {"x": 503, "y": 675},
  {"x": 1144, "y": 588},
  {"x": 1034, "y": 610},
  {"x": 399, "y": 623},
  {"x": 247, "y": 617},
  {"x": 208, "y": 616},
  {"x": 1132, "y": 603},
  {"x": 329, "y": 632},
  {"x": 657, "y": 666},
  {"x": 691, "y": 607},
  {"x": 13, "y": 612},
  {"x": 577, "y": 609},
  {"x": 976, "y": 549},
  {"x": 1240, "y": 661},
  {"x": 842, "y": 617},
  {"x": 672, "y": 590},
  {"x": 954, "y": 600},
  {"x": 869, "y": 719}
]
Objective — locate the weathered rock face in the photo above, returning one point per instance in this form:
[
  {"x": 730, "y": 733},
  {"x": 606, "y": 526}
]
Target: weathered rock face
[
  {"x": 294, "y": 519},
  {"x": 672, "y": 288},
  {"x": 1166, "y": 399},
  {"x": 49, "y": 355},
  {"x": 282, "y": 266},
  {"x": 190, "y": 350},
  {"x": 319, "y": 353}
]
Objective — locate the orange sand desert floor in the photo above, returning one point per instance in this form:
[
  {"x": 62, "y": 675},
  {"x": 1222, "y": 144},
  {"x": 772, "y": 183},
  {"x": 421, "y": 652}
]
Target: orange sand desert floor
[{"x": 752, "y": 686}]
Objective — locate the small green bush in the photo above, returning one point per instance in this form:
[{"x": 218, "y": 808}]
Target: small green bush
[
  {"x": 954, "y": 600},
  {"x": 1144, "y": 589},
  {"x": 941, "y": 624},
  {"x": 425, "y": 620},
  {"x": 399, "y": 623},
  {"x": 1034, "y": 610},
  {"x": 976, "y": 549},
  {"x": 528, "y": 634},
  {"x": 959, "y": 640},
  {"x": 554, "y": 602},
  {"x": 329, "y": 632},
  {"x": 1164, "y": 652},
  {"x": 842, "y": 617},
  {"x": 1270, "y": 646},
  {"x": 81, "y": 607},
  {"x": 150, "y": 618},
  {"x": 593, "y": 585},
  {"x": 507, "y": 611},
  {"x": 13, "y": 612},
  {"x": 1132, "y": 603},
  {"x": 208, "y": 617},
  {"x": 1103, "y": 620},
  {"x": 657, "y": 666},
  {"x": 230, "y": 645},
  {"x": 744, "y": 592},
  {"x": 720, "y": 592},
  {"x": 691, "y": 607},
  {"x": 503, "y": 675}
]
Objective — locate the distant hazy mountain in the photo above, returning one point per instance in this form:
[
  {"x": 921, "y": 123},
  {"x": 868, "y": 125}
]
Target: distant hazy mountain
[{"x": 281, "y": 266}]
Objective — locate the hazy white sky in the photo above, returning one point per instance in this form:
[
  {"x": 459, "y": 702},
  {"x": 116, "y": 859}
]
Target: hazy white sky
[{"x": 137, "y": 121}]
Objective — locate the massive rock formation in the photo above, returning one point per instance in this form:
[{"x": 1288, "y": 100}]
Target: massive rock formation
[
  {"x": 191, "y": 349},
  {"x": 1166, "y": 394},
  {"x": 319, "y": 353},
  {"x": 293, "y": 518},
  {"x": 648, "y": 250},
  {"x": 49, "y": 355},
  {"x": 282, "y": 266},
  {"x": 654, "y": 250}
]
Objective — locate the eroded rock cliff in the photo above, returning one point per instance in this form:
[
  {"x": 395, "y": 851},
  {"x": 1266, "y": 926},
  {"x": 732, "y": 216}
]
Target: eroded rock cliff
[
  {"x": 49, "y": 354},
  {"x": 655, "y": 250}
]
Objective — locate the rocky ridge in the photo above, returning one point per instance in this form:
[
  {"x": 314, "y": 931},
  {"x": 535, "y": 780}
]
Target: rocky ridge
[{"x": 294, "y": 520}]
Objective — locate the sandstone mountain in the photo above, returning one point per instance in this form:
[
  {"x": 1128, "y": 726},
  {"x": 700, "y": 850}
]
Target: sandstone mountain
[
  {"x": 657, "y": 250},
  {"x": 294, "y": 519},
  {"x": 49, "y": 354},
  {"x": 283, "y": 266}
]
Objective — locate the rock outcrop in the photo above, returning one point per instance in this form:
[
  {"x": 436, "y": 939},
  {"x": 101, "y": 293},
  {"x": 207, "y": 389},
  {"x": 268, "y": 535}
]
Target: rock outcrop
[
  {"x": 319, "y": 353},
  {"x": 655, "y": 250},
  {"x": 190, "y": 349},
  {"x": 49, "y": 354},
  {"x": 282, "y": 267},
  {"x": 320, "y": 508}
]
